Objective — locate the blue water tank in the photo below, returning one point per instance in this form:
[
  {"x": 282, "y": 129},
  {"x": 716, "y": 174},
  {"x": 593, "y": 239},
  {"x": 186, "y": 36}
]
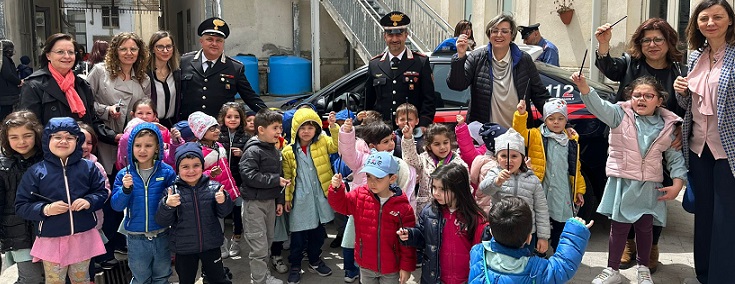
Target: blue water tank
[
  {"x": 251, "y": 71},
  {"x": 288, "y": 75}
]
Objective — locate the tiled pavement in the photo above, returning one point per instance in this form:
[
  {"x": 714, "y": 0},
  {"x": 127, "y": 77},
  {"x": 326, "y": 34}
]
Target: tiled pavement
[{"x": 675, "y": 245}]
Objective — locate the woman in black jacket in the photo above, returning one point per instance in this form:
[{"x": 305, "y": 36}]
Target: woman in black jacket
[
  {"x": 165, "y": 75},
  {"x": 500, "y": 74},
  {"x": 20, "y": 134},
  {"x": 651, "y": 52},
  {"x": 9, "y": 81}
]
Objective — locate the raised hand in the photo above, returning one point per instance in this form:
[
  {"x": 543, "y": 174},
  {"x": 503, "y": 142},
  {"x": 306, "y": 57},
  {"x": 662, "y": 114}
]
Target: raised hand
[
  {"x": 521, "y": 107},
  {"x": 175, "y": 135},
  {"x": 407, "y": 132},
  {"x": 503, "y": 176},
  {"x": 581, "y": 83},
  {"x": 603, "y": 34},
  {"x": 460, "y": 119},
  {"x": 219, "y": 196},
  {"x": 127, "y": 181},
  {"x": 332, "y": 118},
  {"x": 462, "y": 45},
  {"x": 173, "y": 199},
  {"x": 347, "y": 126},
  {"x": 588, "y": 225},
  {"x": 216, "y": 171},
  {"x": 337, "y": 181}
]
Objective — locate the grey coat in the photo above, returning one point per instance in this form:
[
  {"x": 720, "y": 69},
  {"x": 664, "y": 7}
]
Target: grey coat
[{"x": 526, "y": 186}]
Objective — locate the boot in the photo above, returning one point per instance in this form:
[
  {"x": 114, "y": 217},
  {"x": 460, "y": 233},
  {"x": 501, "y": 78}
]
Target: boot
[
  {"x": 626, "y": 261},
  {"x": 653, "y": 262}
]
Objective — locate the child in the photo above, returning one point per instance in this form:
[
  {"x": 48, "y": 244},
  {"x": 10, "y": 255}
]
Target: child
[
  {"x": 503, "y": 259},
  {"x": 448, "y": 228},
  {"x": 262, "y": 194},
  {"x": 407, "y": 114},
  {"x": 61, "y": 193},
  {"x": 250, "y": 123},
  {"x": 366, "y": 117},
  {"x": 24, "y": 68},
  {"x": 144, "y": 110},
  {"x": 233, "y": 136},
  {"x": 554, "y": 155},
  {"x": 633, "y": 193},
  {"x": 88, "y": 147},
  {"x": 193, "y": 207},
  {"x": 216, "y": 165},
  {"x": 380, "y": 208},
  {"x": 137, "y": 190},
  {"x": 20, "y": 135},
  {"x": 339, "y": 166},
  {"x": 376, "y": 136},
  {"x": 513, "y": 177},
  {"x": 439, "y": 151},
  {"x": 306, "y": 163}
]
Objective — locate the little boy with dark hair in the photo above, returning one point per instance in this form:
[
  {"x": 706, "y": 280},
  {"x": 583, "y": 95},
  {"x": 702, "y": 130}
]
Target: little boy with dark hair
[
  {"x": 261, "y": 191},
  {"x": 506, "y": 259}
]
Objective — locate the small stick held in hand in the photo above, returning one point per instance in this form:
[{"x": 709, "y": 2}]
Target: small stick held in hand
[
  {"x": 615, "y": 23},
  {"x": 507, "y": 159},
  {"x": 400, "y": 221},
  {"x": 583, "y": 60},
  {"x": 44, "y": 198}
]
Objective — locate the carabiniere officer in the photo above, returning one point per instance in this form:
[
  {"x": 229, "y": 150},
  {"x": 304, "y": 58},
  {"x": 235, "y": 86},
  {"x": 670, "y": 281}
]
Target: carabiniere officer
[
  {"x": 399, "y": 75},
  {"x": 209, "y": 78}
]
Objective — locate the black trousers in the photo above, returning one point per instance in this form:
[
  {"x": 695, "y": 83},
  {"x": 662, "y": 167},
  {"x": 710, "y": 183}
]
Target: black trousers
[{"x": 188, "y": 264}]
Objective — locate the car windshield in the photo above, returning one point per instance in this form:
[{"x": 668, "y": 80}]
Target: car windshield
[{"x": 452, "y": 98}]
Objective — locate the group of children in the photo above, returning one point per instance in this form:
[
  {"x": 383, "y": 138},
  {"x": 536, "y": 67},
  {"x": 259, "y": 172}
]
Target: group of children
[{"x": 492, "y": 222}]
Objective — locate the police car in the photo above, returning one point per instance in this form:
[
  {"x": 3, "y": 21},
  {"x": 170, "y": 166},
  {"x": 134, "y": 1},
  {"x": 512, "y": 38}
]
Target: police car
[{"x": 593, "y": 133}]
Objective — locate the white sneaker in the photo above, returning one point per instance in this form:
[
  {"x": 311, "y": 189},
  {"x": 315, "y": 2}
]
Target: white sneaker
[
  {"x": 608, "y": 276},
  {"x": 224, "y": 249},
  {"x": 234, "y": 247},
  {"x": 272, "y": 280},
  {"x": 278, "y": 264},
  {"x": 644, "y": 275},
  {"x": 692, "y": 280}
]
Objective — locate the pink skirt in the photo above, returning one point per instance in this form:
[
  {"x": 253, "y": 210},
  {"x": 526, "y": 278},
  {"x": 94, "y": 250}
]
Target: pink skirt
[{"x": 68, "y": 250}]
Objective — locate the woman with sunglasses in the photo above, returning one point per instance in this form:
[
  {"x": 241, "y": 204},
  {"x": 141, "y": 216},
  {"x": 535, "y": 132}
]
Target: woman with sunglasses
[
  {"x": 651, "y": 52},
  {"x": 165, "y": 76},
  {"x": 500, "y": 74}
]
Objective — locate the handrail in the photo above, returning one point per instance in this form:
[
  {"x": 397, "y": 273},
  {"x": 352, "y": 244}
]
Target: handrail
[
  {"x": 427, "y": 28},
  {"x": 362, "y": 23}
]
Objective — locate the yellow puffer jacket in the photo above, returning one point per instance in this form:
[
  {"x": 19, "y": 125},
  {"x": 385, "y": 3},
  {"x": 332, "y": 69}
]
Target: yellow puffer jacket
[
  {"x": 321, "y": 147},
  {"x": 536, "y": 152}
]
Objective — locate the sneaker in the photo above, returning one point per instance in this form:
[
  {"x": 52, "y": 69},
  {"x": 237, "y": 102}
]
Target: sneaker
[
  {"x": 294, "y": 276},
  {"x": 320, "y": 268},
  {"x": 608, "y": 276},
  {"x": 109, "y": 264},
  {"x": 121, "y": 250},
  {"x": 225, "y": 249},
  {"x": 351, "y": 277},
  {"x": 278, "y": 265},
  {"x": 269, "y": 279},
  {"x": 692, "y": 280},
  {"x": 644, "y": 275},
  {"x": 234, "y": 247}
]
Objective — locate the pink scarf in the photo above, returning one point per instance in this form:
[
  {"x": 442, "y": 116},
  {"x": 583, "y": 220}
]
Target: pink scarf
[{"x": 66, "y": 84}]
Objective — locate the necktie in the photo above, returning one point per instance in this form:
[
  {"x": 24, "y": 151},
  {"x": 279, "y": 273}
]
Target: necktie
[
  {"x": 394, "y": 63},
  {"x": 209, "y": 66}
]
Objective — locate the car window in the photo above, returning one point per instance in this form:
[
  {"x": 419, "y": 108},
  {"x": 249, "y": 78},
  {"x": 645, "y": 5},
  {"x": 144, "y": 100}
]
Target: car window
[{"x": 452, "y": 98}]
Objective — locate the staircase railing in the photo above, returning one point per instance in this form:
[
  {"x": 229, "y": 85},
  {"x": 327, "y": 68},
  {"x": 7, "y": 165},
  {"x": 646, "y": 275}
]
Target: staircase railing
[
  {"x": 358, "y": 22},
  {"x": 428, "y": 29}
]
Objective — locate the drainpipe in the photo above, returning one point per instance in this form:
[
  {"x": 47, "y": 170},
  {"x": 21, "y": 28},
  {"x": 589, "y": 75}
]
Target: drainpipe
[
  {"x": 596, "y": 11},
  {"x": 315, "y": 39},
  {"x": 296, "y": 29}
]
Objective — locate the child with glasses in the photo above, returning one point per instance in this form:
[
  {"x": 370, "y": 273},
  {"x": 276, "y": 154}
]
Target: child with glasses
[
  {"x": 641, "y": 133},
  {"x": 61, "y": 193}
]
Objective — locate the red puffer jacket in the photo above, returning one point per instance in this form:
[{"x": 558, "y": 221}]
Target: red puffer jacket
[{"x": 377, "y": 246}]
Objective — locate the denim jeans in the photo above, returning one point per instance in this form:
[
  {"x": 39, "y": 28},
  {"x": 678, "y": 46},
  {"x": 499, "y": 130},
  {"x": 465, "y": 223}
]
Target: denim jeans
[{"x": 149, "y": 259}]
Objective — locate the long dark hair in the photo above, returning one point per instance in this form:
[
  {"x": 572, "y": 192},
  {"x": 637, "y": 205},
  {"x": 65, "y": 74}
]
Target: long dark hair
[
  {"x": 175, "y": 57},
  {"x": 695, "y": 38},
  {"x": 21, "y": 118},
  {"x": 455, "y": 178},
  {"x": 99, "y": 50}
]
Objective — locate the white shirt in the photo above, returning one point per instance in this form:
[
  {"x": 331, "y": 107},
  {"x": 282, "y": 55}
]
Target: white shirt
[
  {"x": 204, "y": 62},
  {"x": 400, "y": 55}
]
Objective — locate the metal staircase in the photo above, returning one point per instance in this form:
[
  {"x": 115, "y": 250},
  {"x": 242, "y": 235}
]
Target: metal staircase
[{"x": 359, "y": 22}]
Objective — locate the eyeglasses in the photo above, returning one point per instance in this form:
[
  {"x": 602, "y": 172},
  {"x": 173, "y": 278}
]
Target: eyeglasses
[
  {"x": 164, "y": 47},
  {"x": 67, "y": 139},
  {"x": 501, "y": 31},
  {"x": 644, "y": 96},
  {"x": 214, "y": 128},
  {"x": 126, "y": 50},
  {"x": 655, "y": 40},
  {"x": 64, "y": 52}
]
